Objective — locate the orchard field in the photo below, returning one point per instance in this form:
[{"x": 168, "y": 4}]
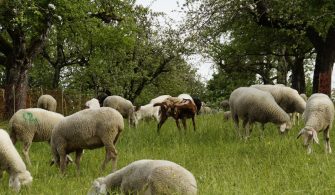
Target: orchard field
[{"x": 220, "y": 162}]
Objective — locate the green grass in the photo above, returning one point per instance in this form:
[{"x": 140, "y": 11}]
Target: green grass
[{"x": 220, "y": 162}]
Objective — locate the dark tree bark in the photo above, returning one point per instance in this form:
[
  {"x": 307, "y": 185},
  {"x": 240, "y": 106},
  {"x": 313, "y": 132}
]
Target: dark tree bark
[
  {"x": 298, "y": 75},
  {"x": 19, "y": 54},
  {"x": 325, "y": 47}
]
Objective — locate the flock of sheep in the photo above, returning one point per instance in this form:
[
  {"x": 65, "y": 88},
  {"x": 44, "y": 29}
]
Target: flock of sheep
[{"x": 102, "y": 122}]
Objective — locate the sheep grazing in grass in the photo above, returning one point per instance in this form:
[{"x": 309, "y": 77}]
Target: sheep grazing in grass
[
  {"x": 87, "y": 129},
  {"x": 254, "y": 105},
  {"x": 227, "y": 115},
  {"x": 146, "y": 112},
  {"x": 32, "y": 125},
  {"x": 148, "y": 177},
  {"x": 318, "y": 116},
  {"x": 92, "y": 103},
  {"x": 47, "y": 102},
  {"x": 224, "y": 104},
  {"x": 125, "y": 107},
  {"x": 11, "y": 162},
  {"x": 287, "y": 98}
]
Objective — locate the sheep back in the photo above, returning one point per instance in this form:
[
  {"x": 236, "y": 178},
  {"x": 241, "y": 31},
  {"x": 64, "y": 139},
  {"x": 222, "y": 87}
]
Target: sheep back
[
  {"x": 286, "y": 97},
  {"x": 124, "y": 106},
  {"x": 319, "y": 112},
  {"x": 151, "y": 177},
  {"x": 33, "y": 123},
  {"x": 47, "y": 102},
  {"x": 256, "y": 105},
  {"x": 159, "y": 99},
  {"x": 86, "y": 129}
]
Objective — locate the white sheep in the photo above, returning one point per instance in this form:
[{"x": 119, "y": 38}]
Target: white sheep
[
  {"x": 124, "y": 106},
  {"x": 148, "y": 177},
  {"x": 287, "y": 98},
  {"x": 205, "y": 110},
  {"x": 87, "y": 129},
  {"x": 32, "y": 125},
  {"x": 159, "y": 99},
  {"x": 47, "y": 102},
  {"x": 92, "y": 103},
  {"x": 147, "y": 112},
  {"x": 254, "y": 105},
  {"x": 11, "y": 162},
  {"x": 318, "y": 116}
]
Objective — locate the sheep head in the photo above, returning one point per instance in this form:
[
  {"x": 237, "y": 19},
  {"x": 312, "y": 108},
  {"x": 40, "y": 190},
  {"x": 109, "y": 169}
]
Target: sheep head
[{"x": 308, "y": 134}]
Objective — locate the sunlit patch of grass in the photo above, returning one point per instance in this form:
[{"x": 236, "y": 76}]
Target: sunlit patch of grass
[{"x": 222, "y": 163}]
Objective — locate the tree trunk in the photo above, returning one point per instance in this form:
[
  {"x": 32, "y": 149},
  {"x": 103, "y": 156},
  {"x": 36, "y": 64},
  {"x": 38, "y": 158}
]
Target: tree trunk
[
  {"x": 322, "y": 73},
  {"x": 16, "y": 87},
  {"x": 56, "y": 77},
  {"x": 298, "y": 75}
]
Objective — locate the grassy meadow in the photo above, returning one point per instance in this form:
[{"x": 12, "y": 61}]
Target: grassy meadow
[{"x": 220, "y": 162}]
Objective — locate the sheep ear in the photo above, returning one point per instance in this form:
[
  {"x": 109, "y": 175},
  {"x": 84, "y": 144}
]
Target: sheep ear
[
  {"x": 300, "y": 133},
  {"x": 315, "y": 136}
]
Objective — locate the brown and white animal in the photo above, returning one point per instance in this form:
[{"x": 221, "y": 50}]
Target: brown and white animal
[
  {"x": 87, "y": 129},
  {"x": 178, "y": 109}
]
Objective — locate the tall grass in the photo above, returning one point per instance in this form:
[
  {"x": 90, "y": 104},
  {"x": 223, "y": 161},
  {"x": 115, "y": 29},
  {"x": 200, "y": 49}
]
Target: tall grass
[{"x": 221, "y": 162}]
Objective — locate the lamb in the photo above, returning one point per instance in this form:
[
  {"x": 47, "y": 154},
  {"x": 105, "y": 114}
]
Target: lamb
[
  {"x": 148, "y": 177},
  {"x": 205, "y": 110},
  {"x": 254, "y": 105},
  {"x": 125, "y": 107},
  {"x": 178, "y": 109},
  {"x": 146, "y": 112},
  {"x": 224, "y": 104},
  {"x": 11, "y": 162},
  {"x": 287, "y": 98},
  {"x": 227, "y": 115},
  {"x": 92, "y": 103},
  {"x": 47, "y": 102},
  {"x": 87, "y": 129},
  {"x": 318, "y": 116},
  {"x": 32, "y": 125}
]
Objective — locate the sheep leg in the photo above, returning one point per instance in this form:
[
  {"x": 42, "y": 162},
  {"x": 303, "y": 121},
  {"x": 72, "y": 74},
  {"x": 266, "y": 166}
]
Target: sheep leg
[
  {"x": 161, "y": 122},
  {"x": 62, "y": 159},
  {"x": 78, "y": 157},
  {"x": 236, "y": 122},
  {"x": 26, "y": 148},
  {"x": 327, "y": 143},
  {"x": 246, "y": 127},
  {"x": 184, "y": 124},
  {"x": 111, "y": 154},
  {"x": 193, "y": 122},
  {"x": 177, "y": 123},
  {"x": 116, "y": 137}
]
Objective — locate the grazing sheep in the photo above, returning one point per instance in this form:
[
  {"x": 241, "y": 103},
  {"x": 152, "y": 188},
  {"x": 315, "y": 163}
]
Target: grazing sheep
[
  {"x": 224, "y": 104},
  {"x": 254, "y": 105},
  {"x": 125, "y": 107},
  {"x": 32, "y": 125},
  {"x": 318, "y": 116},
  {"x": 147, "y": 112},
  {"x": 178, "y": 109},
  {"x": 287, "y": 98},
  {"x": 92, "y": 103},
  {"x": 47, "y": 102},
  {"x": 11, "y": 162},
  {"x": 205, "y": 110},
  {"x": 148, "y": 177},
  {"x": 227, "y": 115},
  {"x": 198, "y": 103},
  {"x": 87, "y": 129}
]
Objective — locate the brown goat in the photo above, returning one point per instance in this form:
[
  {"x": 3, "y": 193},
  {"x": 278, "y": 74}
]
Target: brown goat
[{"x": 178, "y": 109}]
